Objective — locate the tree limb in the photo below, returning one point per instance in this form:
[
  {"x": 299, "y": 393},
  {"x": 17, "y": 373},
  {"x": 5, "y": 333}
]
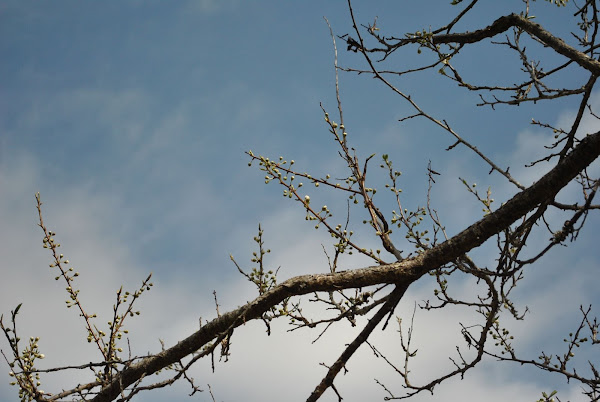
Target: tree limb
[
  {"x": 502, "y": 24},
  {"x": 401, "y": 273}
]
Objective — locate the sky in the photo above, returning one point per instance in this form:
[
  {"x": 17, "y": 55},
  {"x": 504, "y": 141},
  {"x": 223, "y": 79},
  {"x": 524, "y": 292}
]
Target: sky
[{"x": 132, "y": 118}]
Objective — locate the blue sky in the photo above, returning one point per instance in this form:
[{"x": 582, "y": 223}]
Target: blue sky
[{"x": 132, "y": 118}]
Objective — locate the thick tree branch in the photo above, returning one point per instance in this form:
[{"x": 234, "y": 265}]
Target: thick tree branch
[
  {"x": 502, "y": 24},
  {"x": 402, "y": 273},
  {"x": 389, "y": 306}
]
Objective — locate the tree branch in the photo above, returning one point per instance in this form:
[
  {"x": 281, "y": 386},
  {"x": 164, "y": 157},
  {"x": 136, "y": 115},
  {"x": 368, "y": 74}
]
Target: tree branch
[
  {"x": 502, "y": 24},
  {"x": 402, "y": 273},
  {"x": 389, "y": 306}
]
